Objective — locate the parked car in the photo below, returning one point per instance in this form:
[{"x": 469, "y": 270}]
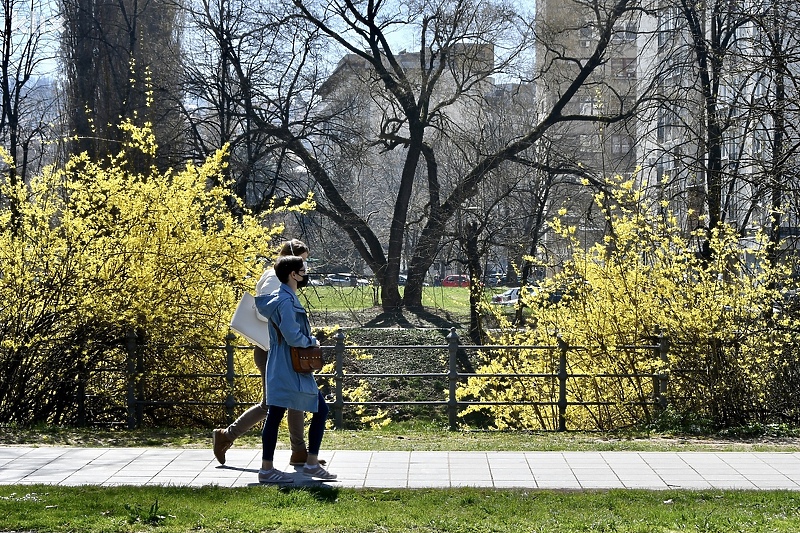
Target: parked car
[
  {"x": 345, "y": 280},
  {"x": 543, "y": 296},
  {"x": 509, "y": 297},
  {"x": 337, "y": 280},
  {"x": 456, "y": 280}
]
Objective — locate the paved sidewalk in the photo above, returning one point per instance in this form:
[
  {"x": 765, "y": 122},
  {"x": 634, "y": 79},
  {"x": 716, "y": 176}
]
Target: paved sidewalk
[{"x": 383, "y": 469}]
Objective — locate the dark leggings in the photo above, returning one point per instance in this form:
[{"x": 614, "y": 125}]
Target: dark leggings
[{"x": 269, "y": 435}]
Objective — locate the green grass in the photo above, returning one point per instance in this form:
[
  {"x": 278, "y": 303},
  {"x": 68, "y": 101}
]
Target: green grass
[
  {"x": 337, "y": 298},
  {"x": 256, "y": 509},
  {"x": 452, "y": 299},
  {"x": 415, "y": 436}
]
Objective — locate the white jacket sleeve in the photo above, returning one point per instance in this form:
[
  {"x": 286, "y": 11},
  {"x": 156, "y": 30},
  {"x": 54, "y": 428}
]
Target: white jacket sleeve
[{"x": 267, "y": 284}]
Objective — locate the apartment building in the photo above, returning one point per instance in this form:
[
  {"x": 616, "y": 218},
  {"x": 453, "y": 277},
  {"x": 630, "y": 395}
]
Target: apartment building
[
  {"x": 568, "y": 33},
  {"x": 721, "y": 146},
  {"x": 711, "y": 99}
]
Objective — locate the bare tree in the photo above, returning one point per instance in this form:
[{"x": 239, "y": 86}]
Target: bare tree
[
  {"x": 721, "y": 107},
  {"x": 713, "y": 30},
  {"x": 380, "y": 103},
  {"x": 774, "y": 107},
  {"x": 121, "y": 59},
  {"x": 26, "y": 58},
  {"x": 214, "y": 107},
  {"x": 454, "y": 58}
]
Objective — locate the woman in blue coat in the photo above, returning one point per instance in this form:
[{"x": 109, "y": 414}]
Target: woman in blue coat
[{"x": 286, "y": 389}]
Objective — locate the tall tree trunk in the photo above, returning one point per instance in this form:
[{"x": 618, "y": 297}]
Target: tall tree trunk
[
  {"x": 778, "y": 112},
  {"x": 390, "y": 293},
  {"x": 470, "y": 240}
]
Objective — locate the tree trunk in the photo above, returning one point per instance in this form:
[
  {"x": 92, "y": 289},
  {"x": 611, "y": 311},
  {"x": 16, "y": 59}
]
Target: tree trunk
[
  {"x": 779, "y": 124},
  {"x": 392, "y": 300},
  {"x": 471, "y": 232}
]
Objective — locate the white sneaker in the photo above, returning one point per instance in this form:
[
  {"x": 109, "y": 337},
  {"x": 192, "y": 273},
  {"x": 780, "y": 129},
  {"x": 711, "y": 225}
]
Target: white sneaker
[
  {"x": 318, "y": 472},
  {"x": 273, "y": 475}
]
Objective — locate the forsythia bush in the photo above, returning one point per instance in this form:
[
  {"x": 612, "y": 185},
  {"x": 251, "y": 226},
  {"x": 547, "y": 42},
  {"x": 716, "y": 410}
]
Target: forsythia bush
[
  {"x": 733, "y": 355},
  {"x": 98, "y": 250}
]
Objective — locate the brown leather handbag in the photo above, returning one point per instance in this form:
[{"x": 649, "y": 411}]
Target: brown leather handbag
[{"x": 306, "y": 360}]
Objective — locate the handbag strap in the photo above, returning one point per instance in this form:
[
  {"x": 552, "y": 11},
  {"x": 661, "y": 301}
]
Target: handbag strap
[{"x": 277, "y": 330}]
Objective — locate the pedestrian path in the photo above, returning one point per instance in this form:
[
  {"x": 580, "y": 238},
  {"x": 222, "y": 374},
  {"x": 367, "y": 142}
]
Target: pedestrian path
[{"x": 397, "y": 469}]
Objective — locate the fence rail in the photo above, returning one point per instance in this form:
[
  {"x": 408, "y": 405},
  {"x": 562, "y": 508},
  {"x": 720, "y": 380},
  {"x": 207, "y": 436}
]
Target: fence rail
[{"x": 136, "y": 403}]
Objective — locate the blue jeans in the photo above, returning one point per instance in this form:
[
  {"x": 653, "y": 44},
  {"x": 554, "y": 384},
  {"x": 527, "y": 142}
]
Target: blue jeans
[{"x": 269, "y": 435}]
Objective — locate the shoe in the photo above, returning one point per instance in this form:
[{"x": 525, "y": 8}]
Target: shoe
[
  {"x": 274, "y": 475},
  {"x": 299, "y": 458},
  {"x": 318, "y": 472},
  {"x": 221, "y": 444}
]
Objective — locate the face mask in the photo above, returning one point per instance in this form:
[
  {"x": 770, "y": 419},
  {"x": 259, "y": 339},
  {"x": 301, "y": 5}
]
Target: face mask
[{"x": 303, "y": 282}]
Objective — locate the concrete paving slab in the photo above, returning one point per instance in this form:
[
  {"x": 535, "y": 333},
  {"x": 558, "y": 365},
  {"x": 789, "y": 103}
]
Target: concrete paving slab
[{"x": 389, "y": 470}]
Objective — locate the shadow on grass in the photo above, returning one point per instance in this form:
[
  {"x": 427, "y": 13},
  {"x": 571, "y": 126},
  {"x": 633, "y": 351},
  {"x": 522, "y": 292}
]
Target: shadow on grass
[
  {"x": 445, "y": 323},
  {"x": 322, "y": 494},
  {"x": 424, "y": 319}
]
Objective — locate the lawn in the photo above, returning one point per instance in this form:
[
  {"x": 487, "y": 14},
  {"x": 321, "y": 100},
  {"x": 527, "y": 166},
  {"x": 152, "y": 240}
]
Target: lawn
[
  {"x": 451, "y": 299},
  {"x": 360, "y": 307},
  {"x": 255, "y": 509},
  {"x": 419, "y": 436}
]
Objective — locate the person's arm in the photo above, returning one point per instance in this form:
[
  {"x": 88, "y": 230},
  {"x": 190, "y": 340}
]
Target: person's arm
[{"x": 291, "y": 329}]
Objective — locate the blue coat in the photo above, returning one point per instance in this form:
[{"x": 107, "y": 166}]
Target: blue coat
[{"x": 285, "y": 387}]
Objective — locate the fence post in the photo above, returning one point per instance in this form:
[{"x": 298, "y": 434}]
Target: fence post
[
  {"x": 452, "y": 376},
  {"x": 230, "y": 400},
  {"x": 663, "y": 379},
  {"x": 140, "y": 383},
  {"x": 80, "y": 393},
  {"x": 130, "y": 376},
  {"x": 338, "y": 378},
  {"x": 562, "y": 384}
]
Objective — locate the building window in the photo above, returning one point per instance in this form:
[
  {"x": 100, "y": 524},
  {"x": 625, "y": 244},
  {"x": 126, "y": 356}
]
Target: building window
[
  {"x": 624, "y": 67},
  {"x": 730, "y": 149},
  {"x": 625, "y": 32},
  {"x": 587, "y": 105},
  {"x": 620, "y": 144},
  {"x": 586, "y": 36},
  {"x": 667, "y": 26},
  {"x": 668, "y": 126},
  {"x": 587, "y": 143}
]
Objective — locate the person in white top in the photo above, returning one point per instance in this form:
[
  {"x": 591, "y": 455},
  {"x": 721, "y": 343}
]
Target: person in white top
[{"x": 222, "y": 439}]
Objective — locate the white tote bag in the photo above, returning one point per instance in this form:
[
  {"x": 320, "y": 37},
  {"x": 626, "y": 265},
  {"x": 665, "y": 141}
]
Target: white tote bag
[{"x": 245, "y": 321}]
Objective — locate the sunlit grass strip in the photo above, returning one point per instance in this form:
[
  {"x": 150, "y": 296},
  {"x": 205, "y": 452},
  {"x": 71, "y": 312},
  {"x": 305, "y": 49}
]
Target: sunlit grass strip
[
  {"x": 452, "y": 299},
  {"x": 167, "y": 510},
  {"x": 416, "y": 436}
]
